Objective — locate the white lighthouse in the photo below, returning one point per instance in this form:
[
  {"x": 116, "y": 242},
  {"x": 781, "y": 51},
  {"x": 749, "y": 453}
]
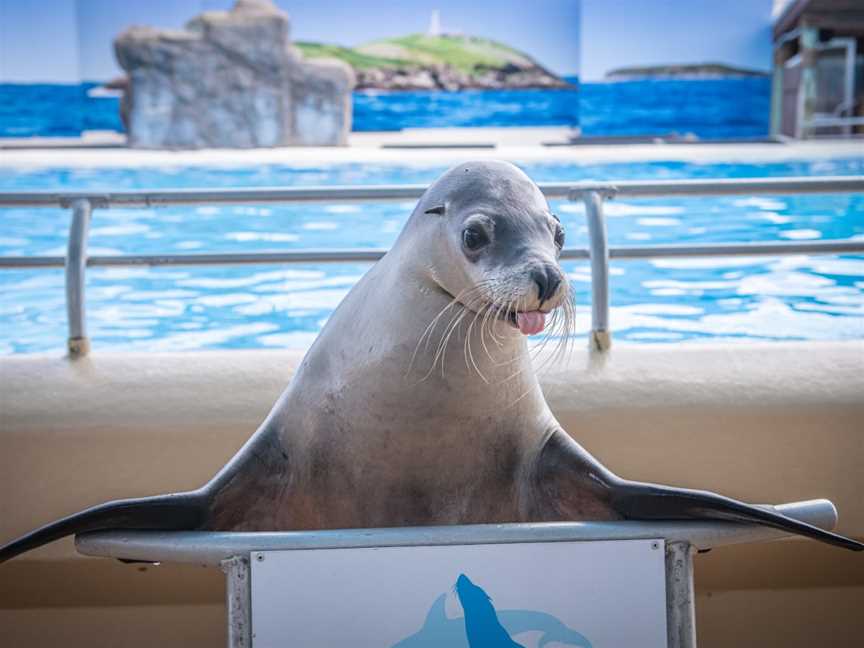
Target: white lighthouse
[{"x": 434, "y": 24}]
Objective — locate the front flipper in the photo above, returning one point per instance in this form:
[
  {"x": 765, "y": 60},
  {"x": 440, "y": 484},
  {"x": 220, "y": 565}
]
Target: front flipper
[
  {"x": 575, "y": 486},
  {"x": 638, "y": 501},
  {"x": 569, "y": 484}
]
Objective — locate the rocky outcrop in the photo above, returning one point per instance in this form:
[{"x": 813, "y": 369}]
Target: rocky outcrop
[
  {"x": 445, "y": 77},
  {"x": 443, "y": 62},
  {"x": 231, "y": 79},
  {"x": 682, "y": 71}
]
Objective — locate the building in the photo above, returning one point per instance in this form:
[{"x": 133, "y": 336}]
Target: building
[{"x": 818, "y": 79}]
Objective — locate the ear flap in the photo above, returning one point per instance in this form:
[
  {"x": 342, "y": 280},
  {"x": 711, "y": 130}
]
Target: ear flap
[{"x": 437, "y": 210}]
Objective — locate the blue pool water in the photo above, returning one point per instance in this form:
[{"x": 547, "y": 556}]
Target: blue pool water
[
  {"x": 180, "y": 308},
  {"x": 710, "y": 109}
]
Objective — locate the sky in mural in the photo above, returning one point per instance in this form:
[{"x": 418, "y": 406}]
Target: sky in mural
[
  {"x": 620, "y": 33},
  {"x": 69, "y": 40}
]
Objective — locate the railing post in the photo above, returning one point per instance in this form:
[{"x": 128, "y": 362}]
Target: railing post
[
  {"x": 238, "y": 601},
  {"x": 680, "y": 597},
  {"x": 806, "y": 99},
  {"x": 76, "y": 267},
  {"x": 601, "y": 336}
]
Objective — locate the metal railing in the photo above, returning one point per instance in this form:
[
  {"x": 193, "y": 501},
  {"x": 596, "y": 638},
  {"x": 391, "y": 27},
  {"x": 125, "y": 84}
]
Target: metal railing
[{"x": 83, "y": 203}]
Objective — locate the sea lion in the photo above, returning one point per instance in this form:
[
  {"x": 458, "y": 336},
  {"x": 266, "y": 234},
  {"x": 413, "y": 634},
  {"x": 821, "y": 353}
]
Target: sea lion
[
  {"x": 482, "y": 626},
  {"x": 418, "y": 403}
]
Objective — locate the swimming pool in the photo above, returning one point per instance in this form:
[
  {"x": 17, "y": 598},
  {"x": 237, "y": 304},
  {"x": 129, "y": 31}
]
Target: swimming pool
[{"x": 663, "y": 300}]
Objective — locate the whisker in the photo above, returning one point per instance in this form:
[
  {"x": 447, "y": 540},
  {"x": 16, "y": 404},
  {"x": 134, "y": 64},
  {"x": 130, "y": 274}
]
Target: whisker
[
  {"x": 427, "y": 334},
  {"x": 448, "y": 336},
  {"x": 484, "y": 324},
  {"x": 467, "y": 349}
]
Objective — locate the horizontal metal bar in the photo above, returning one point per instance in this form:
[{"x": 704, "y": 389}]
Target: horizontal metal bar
[
  {"x": 831, "y": 246},
  {"x": 24, "y": 262},
  {"x": 369, "y": 255},
  {"x": 167, "y": 197},
  {"x": 241, "y": 258},
  {"x": 382, "y": 193},
  {"x": 227, "y": 258},
  {"x": 725, "y": 186},
  {"x": 211, "y": 548}
]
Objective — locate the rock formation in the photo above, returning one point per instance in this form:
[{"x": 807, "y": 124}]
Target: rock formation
[
  {"x": 442, "y": 62},
  {"x": 446, "y": 77},
  {"x": 231, "y": 80},
  {"x": 684, "y": 71}
]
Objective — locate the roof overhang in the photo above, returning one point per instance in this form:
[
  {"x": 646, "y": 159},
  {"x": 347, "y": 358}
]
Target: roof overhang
[{"x": 846, "y": 16}]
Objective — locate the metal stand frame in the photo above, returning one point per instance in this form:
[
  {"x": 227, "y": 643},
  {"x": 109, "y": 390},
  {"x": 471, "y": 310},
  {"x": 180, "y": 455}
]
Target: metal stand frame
[
  {"x": 238, "y": 601},
  {"x": 680, "y": 596},
  {"x": 234, "y": 551}
]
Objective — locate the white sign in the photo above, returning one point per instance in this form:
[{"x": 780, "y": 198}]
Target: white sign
[{"x": 552, "y": 594}]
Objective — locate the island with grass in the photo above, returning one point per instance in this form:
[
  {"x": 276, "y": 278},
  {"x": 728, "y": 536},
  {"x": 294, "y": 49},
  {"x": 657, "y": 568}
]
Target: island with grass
[
  {"x": 682, "y": 71},
  {"x": 443, "y": 62}
]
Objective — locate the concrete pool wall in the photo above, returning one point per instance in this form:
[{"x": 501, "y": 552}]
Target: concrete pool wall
[{"x": 763, "y": 422}]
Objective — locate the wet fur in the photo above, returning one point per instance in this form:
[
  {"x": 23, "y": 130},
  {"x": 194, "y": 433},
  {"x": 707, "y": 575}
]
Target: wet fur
[{"x": 418, "y": 403}]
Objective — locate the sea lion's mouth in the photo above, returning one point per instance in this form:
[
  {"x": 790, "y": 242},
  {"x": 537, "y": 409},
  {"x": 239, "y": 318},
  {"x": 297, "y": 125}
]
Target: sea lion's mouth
[{"x": 528, "y": 322}]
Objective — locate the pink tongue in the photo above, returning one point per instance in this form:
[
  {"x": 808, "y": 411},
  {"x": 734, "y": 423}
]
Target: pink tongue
[{"x": 531, "y": 323}]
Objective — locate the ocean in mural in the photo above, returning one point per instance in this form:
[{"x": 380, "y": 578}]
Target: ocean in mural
[{"x": 707, "y": 108}]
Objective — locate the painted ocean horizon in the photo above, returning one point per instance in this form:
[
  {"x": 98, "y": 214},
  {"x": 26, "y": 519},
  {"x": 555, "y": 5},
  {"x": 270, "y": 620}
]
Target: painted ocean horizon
[{"x": 724, "y": 108}]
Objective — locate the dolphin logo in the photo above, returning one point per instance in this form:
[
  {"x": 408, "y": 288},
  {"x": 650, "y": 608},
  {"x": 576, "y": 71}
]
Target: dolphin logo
[
  {"x": 484, "y": 627},
  {"x": 438, "y": 631}
]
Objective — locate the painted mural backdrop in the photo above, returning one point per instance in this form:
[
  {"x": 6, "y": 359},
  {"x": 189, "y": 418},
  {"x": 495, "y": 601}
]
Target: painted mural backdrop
[
  {"x": 425, "y": 63},
  {"x": 680, "y": 67},
  {"x": 609, "y": 67}
]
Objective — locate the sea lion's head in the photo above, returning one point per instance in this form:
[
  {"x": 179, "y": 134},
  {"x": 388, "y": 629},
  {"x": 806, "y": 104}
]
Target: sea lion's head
[
  {"x": 471, "y": 596},
  {"x": 496, "y": 243}
]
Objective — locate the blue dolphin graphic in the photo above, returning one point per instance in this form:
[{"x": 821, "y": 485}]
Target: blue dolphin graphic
[
  {"x": 439, "y": 631},
  {"x": 519, "y": 621}
]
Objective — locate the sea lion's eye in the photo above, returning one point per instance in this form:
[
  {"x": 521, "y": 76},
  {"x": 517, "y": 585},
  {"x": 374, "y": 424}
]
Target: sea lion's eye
[
  {"x": 474, "y": 238},
  {"x": 559, "y": 237}
]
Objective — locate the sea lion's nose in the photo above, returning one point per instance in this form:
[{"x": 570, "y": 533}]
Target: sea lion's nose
[{"x": 547, "y": 279}]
